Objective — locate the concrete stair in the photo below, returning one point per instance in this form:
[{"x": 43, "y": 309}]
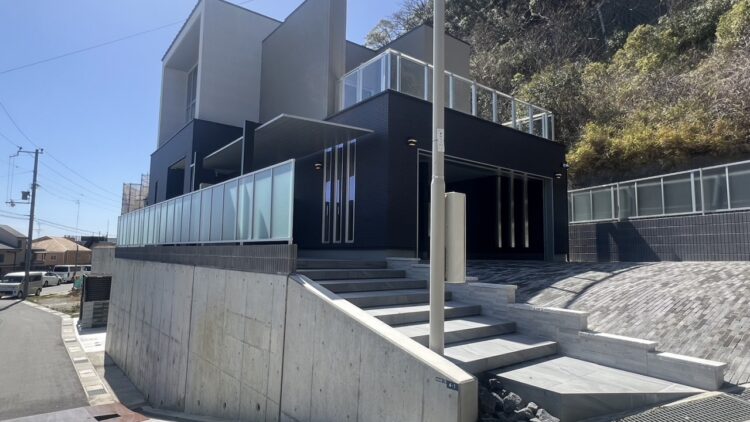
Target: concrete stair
[{"x": 571, "y": 389}]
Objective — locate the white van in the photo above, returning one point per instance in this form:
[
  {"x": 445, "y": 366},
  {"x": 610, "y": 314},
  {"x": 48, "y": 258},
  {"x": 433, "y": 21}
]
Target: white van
[
  {"x": 68, "y": 273},
  {"x": 12, "y": 284}
]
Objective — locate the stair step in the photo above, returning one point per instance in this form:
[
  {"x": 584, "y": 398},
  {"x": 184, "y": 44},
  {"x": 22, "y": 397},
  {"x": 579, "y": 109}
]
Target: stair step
[
  {"x": 574, "y": 389},
  {"x": 351, "y": 273},
  {"x": 460, "y": 329},
  {"x": 389, "y": 297},
  {"x": 482, "y": 355},
  {"x": 313, "y": 263},
  {"x": 371, "y": 284},
  {"x": 409, "y": 314}
]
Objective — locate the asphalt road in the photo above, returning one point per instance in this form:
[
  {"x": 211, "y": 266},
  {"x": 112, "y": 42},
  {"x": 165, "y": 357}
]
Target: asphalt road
[
  {"x": 36, "y": 374},
  {"x": 56, "y": 290}
]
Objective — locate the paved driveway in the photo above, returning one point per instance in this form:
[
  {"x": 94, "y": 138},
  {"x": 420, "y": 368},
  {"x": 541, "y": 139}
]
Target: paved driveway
[{"x": 36, "y": 375}]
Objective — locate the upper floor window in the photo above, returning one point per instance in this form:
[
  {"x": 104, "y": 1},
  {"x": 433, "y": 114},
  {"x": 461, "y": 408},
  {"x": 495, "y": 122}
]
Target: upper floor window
[{"x": 192, "y": 88}]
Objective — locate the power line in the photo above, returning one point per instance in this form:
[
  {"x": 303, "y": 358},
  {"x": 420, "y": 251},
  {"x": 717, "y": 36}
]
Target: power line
[
  {"x": 95, "y": 46},
  {"x": 18, "y": 128},
  {"x": 8, "y": 214}
]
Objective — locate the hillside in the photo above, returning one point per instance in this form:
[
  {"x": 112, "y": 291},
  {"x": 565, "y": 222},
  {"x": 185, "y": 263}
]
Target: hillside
[{"x": 639, "y": 87}]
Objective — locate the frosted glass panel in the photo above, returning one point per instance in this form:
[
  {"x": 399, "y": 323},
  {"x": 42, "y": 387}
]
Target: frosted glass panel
[
  {"x": 602, "y": 199},
  {"x": 739, "y": 185},
  {"x": 581, "y": 206},
  {"x": 262, "y": 206},
  {"x": 649, "y": 198},
  {"x": 170, "y": 222},
  {"x": 627, "y": 201},
  {"x": 678, "y": 194},
  {"x": 715, "y": 189},
  {"x": 177, "y": 231},
  {"x": 229, "y": 224},
  {"x": 205, "y": 222},
  {"x": 461, "y": 95},
  {"x": 245, "y": 219},
  {"x": 372, "y": 79},
  {"x": 281, "y": 201},
  {"x": 217, "y": 200},
  {"x": 412, "y": 78},
  {"x": 350, "y": 89}
]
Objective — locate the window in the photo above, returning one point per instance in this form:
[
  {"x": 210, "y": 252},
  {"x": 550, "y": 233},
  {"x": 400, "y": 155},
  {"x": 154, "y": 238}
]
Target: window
[
  {"x": 2, "y": 258},
  {"x": 339, "y": 192},
  {"x": 192, "y": 88},
  {"x": 53, "y": 257},
  {"x": 351, "y": 189}
]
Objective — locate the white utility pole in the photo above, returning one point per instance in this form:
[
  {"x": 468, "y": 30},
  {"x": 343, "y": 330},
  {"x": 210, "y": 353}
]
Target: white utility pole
[
  {"x": 437, "y": 189},
  {"x": 29, "y": 254}
]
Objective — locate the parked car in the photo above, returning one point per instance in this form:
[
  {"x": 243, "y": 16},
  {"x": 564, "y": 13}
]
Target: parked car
[
  {"x": 51, "y": 279},
  {"x": 68, "y": 273},
  {"x": 12, "y": 284}
]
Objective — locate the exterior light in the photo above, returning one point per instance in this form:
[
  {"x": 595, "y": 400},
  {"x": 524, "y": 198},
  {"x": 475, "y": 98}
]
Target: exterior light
[
  {"x": 318, "y": 166},
  {"x": 565, "y": 166},
  {"x": 558, "y": 175},
  {"x": 411, "y": 142}
]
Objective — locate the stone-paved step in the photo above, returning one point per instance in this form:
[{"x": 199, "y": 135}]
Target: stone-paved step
[
  {"x": 389, "y": 297},
  {"x": 460, "y": 329},
  {"x": 479, "y": 356},
  {"x": 409, "y": 314},
  {"x": 372, "y": 284},
  {"x": 314, "y": 263},
  {"x": 573, "y": 389},
  {"x": 351, "y": 273}
]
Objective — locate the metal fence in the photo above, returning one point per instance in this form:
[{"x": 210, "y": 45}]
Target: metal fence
[
  {"x": 255, "y": 207},
  {"x": 394, "y": 70},
  {"x": 704, "y": 190}
]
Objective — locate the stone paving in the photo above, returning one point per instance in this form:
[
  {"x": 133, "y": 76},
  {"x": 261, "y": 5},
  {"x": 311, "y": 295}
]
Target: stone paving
[{"x": 700, "y": 309}]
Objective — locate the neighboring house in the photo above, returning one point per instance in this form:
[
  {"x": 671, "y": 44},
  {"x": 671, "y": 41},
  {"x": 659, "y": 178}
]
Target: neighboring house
[
  {"x": 53, "y": 251},
  {"x": 242, "y": 92},
  {"x": 12, "y": 249}
]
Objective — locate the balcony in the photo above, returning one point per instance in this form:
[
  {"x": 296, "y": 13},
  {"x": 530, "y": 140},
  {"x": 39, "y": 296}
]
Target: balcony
[{"x": 394, "y": 70}]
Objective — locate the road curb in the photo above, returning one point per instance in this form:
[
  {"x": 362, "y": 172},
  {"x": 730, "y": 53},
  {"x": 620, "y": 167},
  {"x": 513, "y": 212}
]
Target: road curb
[{"x": 97, "y": 392}]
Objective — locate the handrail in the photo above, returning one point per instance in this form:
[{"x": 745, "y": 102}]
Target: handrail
[
  {"x": 513, "y": 112},
  {"x": 711, "y": 189}
]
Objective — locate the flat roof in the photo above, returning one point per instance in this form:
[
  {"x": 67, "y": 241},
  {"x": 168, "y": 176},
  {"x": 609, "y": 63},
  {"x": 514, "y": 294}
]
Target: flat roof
[{"x": 226, "y": 158}]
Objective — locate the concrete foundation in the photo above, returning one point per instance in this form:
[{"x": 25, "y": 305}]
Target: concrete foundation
[{"x": 252, "y": 346}]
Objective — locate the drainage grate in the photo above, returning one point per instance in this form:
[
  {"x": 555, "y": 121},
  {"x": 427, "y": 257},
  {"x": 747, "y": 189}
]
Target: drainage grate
[{"x": 721, "y": 408}]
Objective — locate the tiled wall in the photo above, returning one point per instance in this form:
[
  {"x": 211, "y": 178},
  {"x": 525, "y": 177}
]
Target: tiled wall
[{"x": 711, "y": 237}]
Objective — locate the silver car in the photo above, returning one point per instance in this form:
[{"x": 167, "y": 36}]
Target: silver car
[{"x": 12, "y": 284}]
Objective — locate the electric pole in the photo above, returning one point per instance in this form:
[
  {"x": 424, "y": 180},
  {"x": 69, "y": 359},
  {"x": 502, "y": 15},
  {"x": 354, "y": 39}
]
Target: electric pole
[
  {"x": 31, "y": 223},
  {"x": 437, "y": 187},
  {"x": 78, "y": 213}
]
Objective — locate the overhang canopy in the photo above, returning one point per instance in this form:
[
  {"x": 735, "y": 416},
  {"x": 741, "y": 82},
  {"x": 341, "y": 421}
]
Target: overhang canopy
[
  {"x": 288, "y": 136},
  {"x": 227, "y": 158}
]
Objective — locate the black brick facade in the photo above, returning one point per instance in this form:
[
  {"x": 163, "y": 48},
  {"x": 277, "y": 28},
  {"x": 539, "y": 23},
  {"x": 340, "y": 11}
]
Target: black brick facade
[{"x": 711, "y": 237}]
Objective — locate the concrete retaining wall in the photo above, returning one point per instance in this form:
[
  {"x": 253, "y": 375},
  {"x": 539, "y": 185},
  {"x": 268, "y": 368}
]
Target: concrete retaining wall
[
  {"x": 102, "y": 260},
  {"x": 252, "y": 346},
  {"x": 570, "y": 329}
]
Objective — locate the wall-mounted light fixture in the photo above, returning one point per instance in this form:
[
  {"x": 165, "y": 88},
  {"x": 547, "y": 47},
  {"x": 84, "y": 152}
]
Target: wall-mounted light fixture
[
  {"x": 558, "y": 175},
  {"x": 318, "y": 166},
  {"x": 565, "y": 166},
  {"x": 411, "y": 142}
]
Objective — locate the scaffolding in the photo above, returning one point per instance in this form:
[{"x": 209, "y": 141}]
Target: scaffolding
[{"x": 134, "y": 195}]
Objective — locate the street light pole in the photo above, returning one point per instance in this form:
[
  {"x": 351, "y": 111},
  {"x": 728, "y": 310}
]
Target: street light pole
[
  {"x": 31, "y": 226},
  {"x": 437, "y": 187}
]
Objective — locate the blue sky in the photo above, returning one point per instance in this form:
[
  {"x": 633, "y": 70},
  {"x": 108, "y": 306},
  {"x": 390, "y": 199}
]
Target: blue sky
[{"x": 95, "y": 113}]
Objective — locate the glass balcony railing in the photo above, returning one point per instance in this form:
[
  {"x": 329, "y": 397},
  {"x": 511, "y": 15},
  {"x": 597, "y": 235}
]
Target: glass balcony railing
[
  {"x": 699, "y": 191},
  {"x": 397, "y": 71},
  {"x": 255, "y": 207}
]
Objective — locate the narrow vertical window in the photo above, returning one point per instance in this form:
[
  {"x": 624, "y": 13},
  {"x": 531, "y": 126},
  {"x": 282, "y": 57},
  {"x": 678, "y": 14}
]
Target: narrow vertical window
[
  {"x": 192, "y": 88},
  {"x": 351, "y": 190},
  {"x": 511, "y": 194},
  {"x": 499, "y": 211},
  {"x": 525, "y": 211},
  {"x": 338, "y": 193},
  {"x": 327, "y": 194}
]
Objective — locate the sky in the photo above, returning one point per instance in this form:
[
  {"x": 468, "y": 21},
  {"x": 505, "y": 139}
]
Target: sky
[{"x": 95, "y": 113}]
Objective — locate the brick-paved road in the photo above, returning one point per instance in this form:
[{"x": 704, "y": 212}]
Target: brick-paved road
[{"x": 699, "y": 309}]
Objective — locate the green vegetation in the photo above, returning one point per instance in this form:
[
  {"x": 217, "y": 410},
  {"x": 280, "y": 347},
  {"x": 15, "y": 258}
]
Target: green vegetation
[{"x": 638, "y": 87}]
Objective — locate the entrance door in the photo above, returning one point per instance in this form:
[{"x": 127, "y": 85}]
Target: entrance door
[
  {"x": 339, "y": 193},
  {"x": 505, "y": 211}
]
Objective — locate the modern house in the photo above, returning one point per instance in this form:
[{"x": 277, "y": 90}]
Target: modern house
[
  {"x": 286, "y": 131},
  {"x": 12, "y": 249},
  {"x": 51, "y": 251}
]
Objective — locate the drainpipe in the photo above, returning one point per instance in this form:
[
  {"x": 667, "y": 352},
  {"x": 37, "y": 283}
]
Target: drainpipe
[{"x": 437, "y": 188}]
